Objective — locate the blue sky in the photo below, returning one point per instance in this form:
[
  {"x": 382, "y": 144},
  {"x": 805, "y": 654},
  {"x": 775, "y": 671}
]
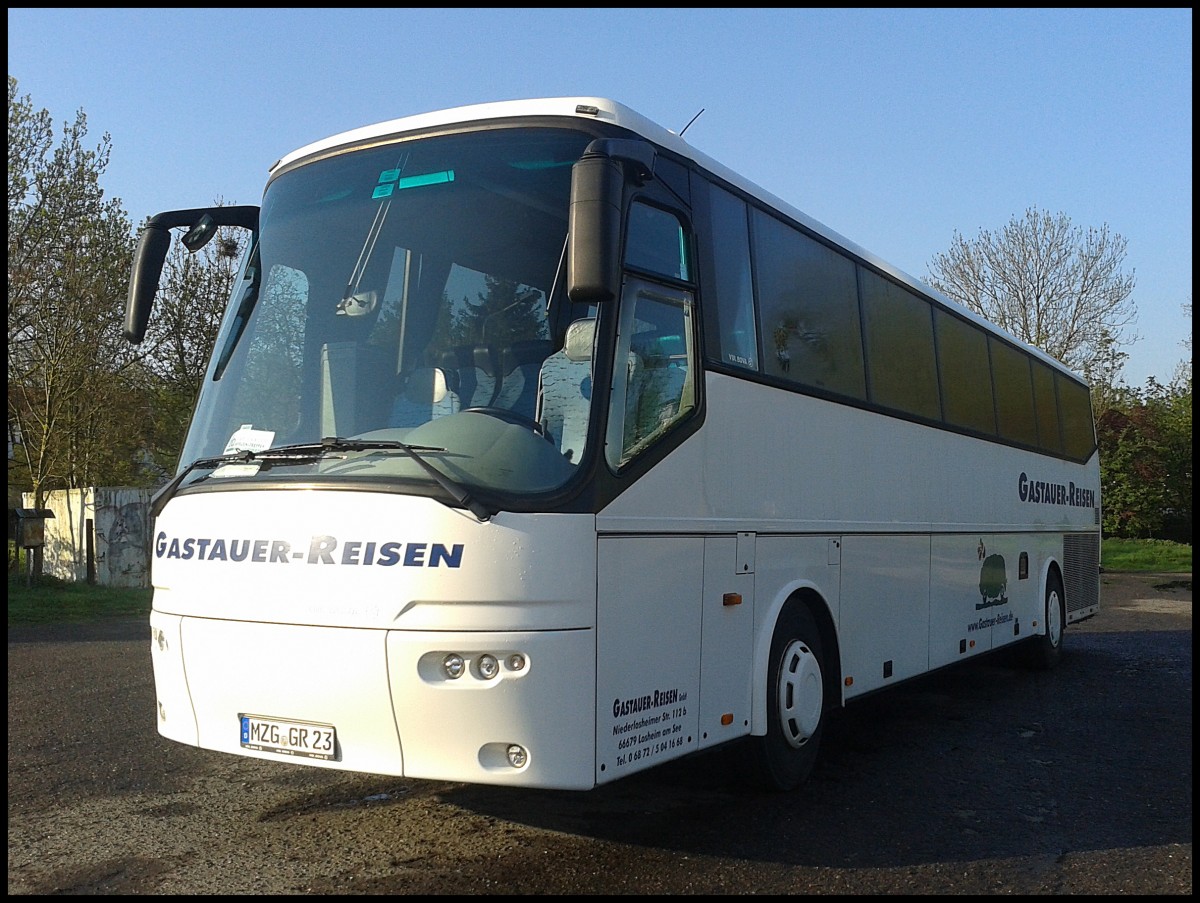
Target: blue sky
[{"x": 896, "y": 128}]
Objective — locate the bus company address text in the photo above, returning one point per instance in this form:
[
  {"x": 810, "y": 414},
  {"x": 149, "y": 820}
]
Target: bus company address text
[{"x": 648, "y": 734}]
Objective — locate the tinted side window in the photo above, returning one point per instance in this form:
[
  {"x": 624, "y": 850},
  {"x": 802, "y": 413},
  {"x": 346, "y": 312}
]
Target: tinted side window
[
  {"x": 655, "y": 388},
  {"x": 737, "y": 331},
  {"x": 1049, "y": 433},
  {"x": 899, "y": 340},
  {"x": 1014, "y": 393},
  {"x": 1075, "y": 405},
  {"x": 966, "y": 376},
  {"x": 809, "y": 310},
  {"x": 657, "y": 243}
]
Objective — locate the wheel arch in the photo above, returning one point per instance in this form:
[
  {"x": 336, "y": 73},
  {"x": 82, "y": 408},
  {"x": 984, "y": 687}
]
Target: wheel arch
[
  {"x": 809, "y": 596},
  {"x": 1051, "y": 571}
]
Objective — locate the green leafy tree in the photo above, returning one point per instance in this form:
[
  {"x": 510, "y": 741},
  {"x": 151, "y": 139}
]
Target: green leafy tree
[
  {"x": 1173, "y": 405},
  {"x": 68, "y": 265},
  {"x": 1145, "y": 442},
  {"x": 1108, "y": 387},
  {"x": 1145, "y": 439}
]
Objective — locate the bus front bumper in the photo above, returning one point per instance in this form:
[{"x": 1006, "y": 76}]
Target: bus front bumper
[{"x": 506, "y": 708}]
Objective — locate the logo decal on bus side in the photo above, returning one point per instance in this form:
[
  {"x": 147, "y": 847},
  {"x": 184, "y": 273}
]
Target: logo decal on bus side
[
  {"x": 1046, "y": 493},
  {"x": 993, "y": 588},
  {"x": 321, "y": 550},
  {"x": 993, "y": 582}
]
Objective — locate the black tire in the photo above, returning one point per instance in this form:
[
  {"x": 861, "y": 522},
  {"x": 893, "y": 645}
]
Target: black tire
[
  {"x": 796, "y": 675},
  {"x": 1044, "y": 651}
]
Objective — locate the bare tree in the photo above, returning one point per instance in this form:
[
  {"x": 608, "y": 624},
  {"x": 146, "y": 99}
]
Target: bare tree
[
  {"x": 1056, "y": 286},
  {"x": 1183, "y": 370}
]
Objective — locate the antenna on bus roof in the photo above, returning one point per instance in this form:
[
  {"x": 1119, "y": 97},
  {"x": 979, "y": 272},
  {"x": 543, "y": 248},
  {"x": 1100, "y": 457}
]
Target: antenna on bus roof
[{"x": 689, "y": 125}]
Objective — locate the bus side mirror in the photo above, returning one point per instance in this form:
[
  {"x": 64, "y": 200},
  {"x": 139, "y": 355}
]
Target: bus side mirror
[
  {"x": 597, "y": 189},
  {"x": 143, "y": 281},
  {"x": 152, "y": 249}
]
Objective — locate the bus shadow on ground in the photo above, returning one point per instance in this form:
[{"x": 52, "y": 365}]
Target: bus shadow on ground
[{"x": 982, "y": 760}]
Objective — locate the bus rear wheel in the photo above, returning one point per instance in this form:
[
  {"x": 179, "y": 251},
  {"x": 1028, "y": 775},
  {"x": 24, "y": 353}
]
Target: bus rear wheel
[
  {"x": 1044, "y": 650},
  {"x": 784, "y": 758}
]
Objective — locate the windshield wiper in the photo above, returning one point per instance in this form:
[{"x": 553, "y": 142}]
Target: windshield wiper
[
  {"x": 310, "y": 452},
  {"x": 314, "y": 451},
  {"x": 454, "y": 489}
]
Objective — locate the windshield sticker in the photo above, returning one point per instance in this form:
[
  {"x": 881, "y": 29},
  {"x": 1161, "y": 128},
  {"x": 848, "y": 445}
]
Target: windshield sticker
[
  {"x": 237, "y": 470},
  {"x": 391, "y": 181},
  {"x": 247, "y": 438}
]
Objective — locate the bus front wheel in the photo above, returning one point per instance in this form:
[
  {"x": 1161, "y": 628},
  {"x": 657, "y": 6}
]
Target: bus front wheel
[
  {"x": 1044, "y": 650},
  {"x": 785, "y": 756}
]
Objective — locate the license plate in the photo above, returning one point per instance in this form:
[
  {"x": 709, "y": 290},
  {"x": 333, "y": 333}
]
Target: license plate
[{"x": 292, "y": 738}]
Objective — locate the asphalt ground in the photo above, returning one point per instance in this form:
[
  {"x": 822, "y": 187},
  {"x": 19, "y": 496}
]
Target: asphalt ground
[{"x": 981, "y": 779}]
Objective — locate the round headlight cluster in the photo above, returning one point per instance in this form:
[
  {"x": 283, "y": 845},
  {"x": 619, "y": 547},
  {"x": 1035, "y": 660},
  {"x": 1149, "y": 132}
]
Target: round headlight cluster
[{"x": 487, "y": 666}]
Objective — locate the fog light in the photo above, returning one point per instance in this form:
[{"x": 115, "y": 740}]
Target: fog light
[
  {"x": 453, "y": 665},
  {"x": 516, "y": 662},
  {"x": 488, "y": 666},
  {"x": 517, "y": 757}
]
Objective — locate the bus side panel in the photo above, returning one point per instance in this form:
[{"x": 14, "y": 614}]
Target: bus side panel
[
  {"x": 958, "y": 629},
  {"x": 884, "y": 625},
  {"x": 987, "y": 591},
  {"x": 1043, "y": 550},
  {"x": 1027, "y": 583},
  {"x": 727, "y": 643},
  {"x": 650, "y": 590}
]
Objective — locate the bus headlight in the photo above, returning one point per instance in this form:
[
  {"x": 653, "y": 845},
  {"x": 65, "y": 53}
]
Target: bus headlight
[
  {"x": 453, "y": 665},
  {"x": 488, "y": 666}
]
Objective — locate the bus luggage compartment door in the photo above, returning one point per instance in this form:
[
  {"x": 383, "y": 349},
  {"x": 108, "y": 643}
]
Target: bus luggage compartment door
[{"x": 650, "y": 591}]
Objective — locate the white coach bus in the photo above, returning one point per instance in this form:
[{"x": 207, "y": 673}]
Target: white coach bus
[{"x": 537, "y": 449}]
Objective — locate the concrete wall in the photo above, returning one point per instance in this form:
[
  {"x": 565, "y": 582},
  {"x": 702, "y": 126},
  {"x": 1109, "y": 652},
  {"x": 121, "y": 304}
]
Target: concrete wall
[{"x": 119, "y": 522}]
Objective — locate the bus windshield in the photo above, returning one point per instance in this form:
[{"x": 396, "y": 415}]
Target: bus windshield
[{"x": 406, "y": 293}]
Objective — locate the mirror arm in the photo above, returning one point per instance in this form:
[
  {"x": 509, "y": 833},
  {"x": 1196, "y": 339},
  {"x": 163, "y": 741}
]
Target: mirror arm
[{"x": 151, "y": 254}]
